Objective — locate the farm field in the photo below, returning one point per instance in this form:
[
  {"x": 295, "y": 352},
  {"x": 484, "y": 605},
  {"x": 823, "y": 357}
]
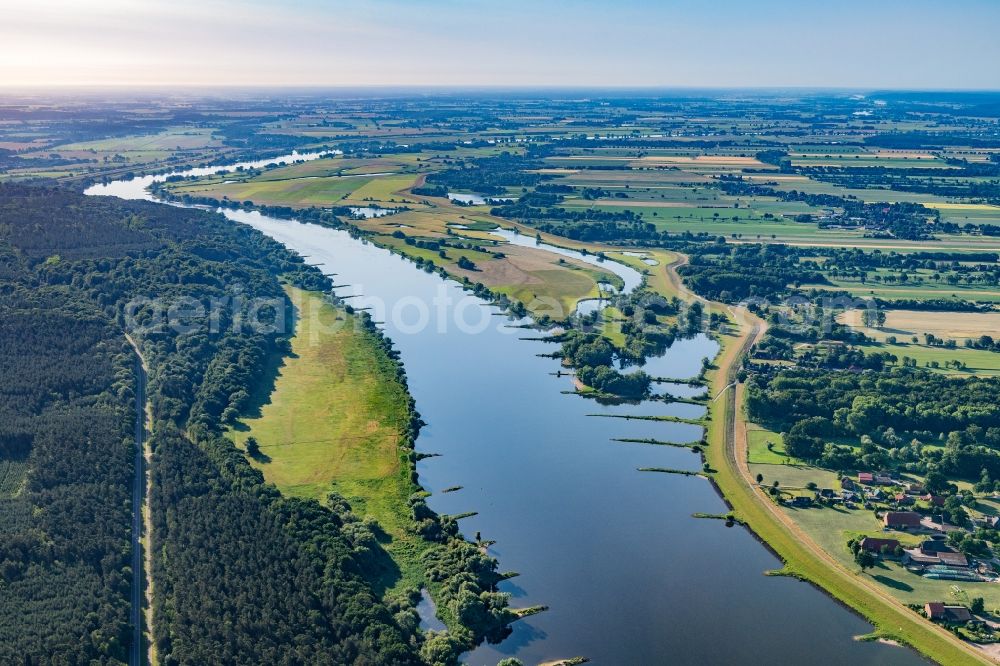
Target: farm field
[
  {"x": 299, "y": 192},
  {"x": 869, "y": 160},
  {"x": 173, "y": 139},
  {"x": 326, "y": 167},
  {"x": 543, "y": 282},
  {"x": 918, "y": 293},
  {"x": 903, "y": 324},
  {"x": 966, "y": 213}
]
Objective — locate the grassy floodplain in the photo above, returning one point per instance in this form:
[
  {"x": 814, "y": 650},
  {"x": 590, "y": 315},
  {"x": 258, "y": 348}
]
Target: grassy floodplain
[
  {"x": 545, "y": 284},
  {"x": 336, "y": 421}
]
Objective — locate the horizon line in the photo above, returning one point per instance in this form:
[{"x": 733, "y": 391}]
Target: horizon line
[{"x": 480, "y": 86}]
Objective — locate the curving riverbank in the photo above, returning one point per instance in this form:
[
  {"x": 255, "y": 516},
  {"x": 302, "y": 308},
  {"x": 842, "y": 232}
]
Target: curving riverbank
[{"x": 628, "y": 575}]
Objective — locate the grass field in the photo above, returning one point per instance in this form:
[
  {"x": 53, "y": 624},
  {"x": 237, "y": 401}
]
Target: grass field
[
  {"x": 758, "y": 438},
  {"x": 920, "y": 292},
  {"x": 537, "y": 278},
  {"x": 795, "y": 477},
  {"x": 657, "y": 278},
  {"x": 298, "y": 192},
  {"x": 172, "y": 139},
  {"x": 384, "y": 190},
  {"x": 977, "y": 361},
  {"x": 903, "y": 324},
  {"x": 336, "y": 422}
]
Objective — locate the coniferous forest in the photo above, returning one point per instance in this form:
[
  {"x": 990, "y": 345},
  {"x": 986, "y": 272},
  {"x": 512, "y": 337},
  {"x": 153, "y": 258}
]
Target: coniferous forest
[{"x": 243, "y": 574}]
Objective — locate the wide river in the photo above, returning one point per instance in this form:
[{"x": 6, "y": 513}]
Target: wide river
[{"x": 630, "y": 577}]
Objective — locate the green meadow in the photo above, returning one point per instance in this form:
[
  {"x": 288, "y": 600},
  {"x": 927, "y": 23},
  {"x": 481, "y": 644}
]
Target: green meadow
[{"x": 336, "y": 421}]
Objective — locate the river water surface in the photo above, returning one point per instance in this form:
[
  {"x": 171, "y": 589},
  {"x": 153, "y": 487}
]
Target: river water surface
[{"x": 629, "y": 576}]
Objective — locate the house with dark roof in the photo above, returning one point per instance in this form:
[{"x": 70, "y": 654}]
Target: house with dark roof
[
  {"x": 914, "y": 556},
  {"x": 936, "y": 544},
  {"x": 936, "y": 553},
  {"x": 901, "y": 520},
  {"x": 937, "y": 610},
  {"x": 876, "y": 546},
  {"x": 875, "y": 494}
]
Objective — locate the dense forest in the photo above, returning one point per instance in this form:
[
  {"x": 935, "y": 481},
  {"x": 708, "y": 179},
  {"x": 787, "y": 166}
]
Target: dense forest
[
  {"x": 918, "y": 420},
  {"x": 67, "y": 453},
  {"x": 243, "y": 574}
]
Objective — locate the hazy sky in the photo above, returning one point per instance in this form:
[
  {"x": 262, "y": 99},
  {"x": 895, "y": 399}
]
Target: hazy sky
[{"x": 839, "y": 43}]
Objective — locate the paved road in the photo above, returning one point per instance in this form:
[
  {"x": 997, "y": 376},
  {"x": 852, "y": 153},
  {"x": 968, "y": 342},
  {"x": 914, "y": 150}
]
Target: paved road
[{"x": 135, "y": 650}]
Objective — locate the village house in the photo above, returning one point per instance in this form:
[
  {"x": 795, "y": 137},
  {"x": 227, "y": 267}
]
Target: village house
[
  {"x": 987, "y": 521},
  {"x": 866, "y": 478},
  {"x": 901, "y": 520},
  {"x": 937, "y": 610},
  {"x": 876, "y": 494},
  {"x": 904, "y": 499},
  {"x": 935, "y": 500},
  {"x": 880, "y": 547},
  {"x": 936, "y": 552}
]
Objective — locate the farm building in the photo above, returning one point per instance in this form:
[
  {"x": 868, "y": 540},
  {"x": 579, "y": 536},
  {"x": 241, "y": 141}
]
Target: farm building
[
  {"x": 937, "y": 610},
  {"x": 878, "y": 546},
  {"x": 902, "y": 520},
  {"x": 936, "y": 553}
]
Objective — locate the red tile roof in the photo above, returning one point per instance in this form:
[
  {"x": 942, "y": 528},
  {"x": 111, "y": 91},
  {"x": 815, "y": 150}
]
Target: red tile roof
[
  {"x": 875, "y": 545},
  {"x": 902, "y": 519}
]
